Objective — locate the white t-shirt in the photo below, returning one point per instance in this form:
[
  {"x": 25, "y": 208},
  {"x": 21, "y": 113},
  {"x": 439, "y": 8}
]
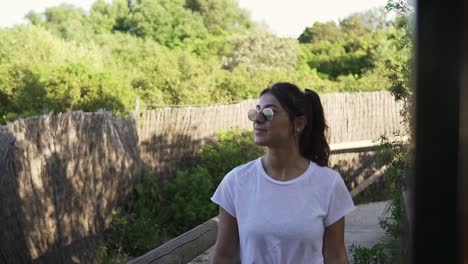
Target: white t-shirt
[{"x": 282, "y": 222}]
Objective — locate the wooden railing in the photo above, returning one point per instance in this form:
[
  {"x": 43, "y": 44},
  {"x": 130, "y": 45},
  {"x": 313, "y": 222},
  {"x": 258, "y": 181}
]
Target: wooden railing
[
  {"x": 195, "y": 242},
  {"x": 185, "y": 247}
]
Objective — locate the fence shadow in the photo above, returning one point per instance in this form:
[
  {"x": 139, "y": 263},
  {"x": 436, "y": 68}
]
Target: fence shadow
[
  {"x": 70, "y": 244},
  {"x": 14, "y": 247},
  {"x": 64, "y": 175},
  {"x": 162, "y": 155},
  {"x": 355, "y": 166}
]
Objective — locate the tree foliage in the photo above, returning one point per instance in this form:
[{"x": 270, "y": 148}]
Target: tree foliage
[
  {"x": 328, "y": 31},
  {"x": 261, "y": 50},
  {"x": 168, "y": 22},
  {"x": 221, "y": 16},
  {"x": 106, "y": 18},
  {"x": 169, "y": 52}
]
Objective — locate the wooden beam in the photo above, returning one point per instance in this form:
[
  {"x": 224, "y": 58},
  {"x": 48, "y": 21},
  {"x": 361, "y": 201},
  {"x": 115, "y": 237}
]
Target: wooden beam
[
  {"x": 362, "y": 144},
  {"x": 183, "y": 248},
  {"x": 372, "y": 179}
]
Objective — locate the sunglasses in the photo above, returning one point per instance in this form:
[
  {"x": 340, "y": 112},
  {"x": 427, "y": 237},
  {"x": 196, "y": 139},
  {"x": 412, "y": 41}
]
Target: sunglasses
[{"x": 266, "y": 112}]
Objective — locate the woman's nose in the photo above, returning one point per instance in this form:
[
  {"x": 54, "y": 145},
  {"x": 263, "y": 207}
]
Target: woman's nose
[{"x": 259, "y": 118}]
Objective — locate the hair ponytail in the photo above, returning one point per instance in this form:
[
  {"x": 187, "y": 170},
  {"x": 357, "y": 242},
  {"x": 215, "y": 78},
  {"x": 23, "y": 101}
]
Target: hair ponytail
[{"x": 313, "y": 142}]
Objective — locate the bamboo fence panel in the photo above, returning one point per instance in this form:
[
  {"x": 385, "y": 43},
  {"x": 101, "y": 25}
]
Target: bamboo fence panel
[
  {"x": 168, "y": 141},
  {"x": 62, "y": 176}
]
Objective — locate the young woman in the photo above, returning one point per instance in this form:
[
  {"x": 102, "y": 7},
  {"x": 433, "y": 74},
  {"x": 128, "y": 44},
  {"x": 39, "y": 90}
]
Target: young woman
[{"x": 286, "y": 207}]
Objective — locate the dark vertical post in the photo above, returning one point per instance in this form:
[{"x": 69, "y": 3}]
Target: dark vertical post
[
  {"x": 439, "y": 54},
  {"x": 463, "y": 174}
]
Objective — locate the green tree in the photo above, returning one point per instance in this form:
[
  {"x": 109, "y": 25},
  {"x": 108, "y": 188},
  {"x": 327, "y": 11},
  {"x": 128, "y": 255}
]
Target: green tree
[
  {"x": 355, "y": 25},
  {"x": 319, "y": 31},
  {"x": 331, "y": 60},
  {"x": 221, "y": 15},
  {"x": 259, "y": 50},
  {"x": 106, "y": 17},
  {"x": 376, "y": 18},
  {"x": 66, "y": 21},
  {"x": 40, "y": 71},
  {"x": 34, "y": 18},
  {"x": 179, "y": 52},
  {"x": 166, "y": 21},
  {"x": 346, "y": 49}
]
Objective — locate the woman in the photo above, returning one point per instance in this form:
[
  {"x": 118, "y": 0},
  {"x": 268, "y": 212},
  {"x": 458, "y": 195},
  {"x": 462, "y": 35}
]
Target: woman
[{"x": 286, "y": 207}]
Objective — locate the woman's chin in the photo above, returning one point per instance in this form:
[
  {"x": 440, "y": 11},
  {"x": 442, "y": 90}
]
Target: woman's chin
[{"x": 260, "y": 141}]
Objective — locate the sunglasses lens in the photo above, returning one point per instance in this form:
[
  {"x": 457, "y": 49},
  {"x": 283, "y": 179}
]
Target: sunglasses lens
[
  {"x": 251, "y": 114},
  {"x": 268, "y": 113}
]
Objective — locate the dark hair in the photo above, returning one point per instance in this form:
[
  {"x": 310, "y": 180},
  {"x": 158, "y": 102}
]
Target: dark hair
[{"x": 312, "y": 142}]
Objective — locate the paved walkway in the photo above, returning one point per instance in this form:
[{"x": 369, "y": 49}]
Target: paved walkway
[{"x": 362, "y": 228}]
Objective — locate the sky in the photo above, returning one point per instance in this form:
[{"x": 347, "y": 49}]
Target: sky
[{"x": 284, "y": 18}]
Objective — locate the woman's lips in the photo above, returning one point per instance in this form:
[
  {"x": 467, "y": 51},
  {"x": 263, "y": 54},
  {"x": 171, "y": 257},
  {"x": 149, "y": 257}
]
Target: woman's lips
[{"x": 260, "y": 131}]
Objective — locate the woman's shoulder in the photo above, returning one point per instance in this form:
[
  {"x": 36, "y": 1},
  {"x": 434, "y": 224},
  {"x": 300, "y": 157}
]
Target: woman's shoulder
[
  {"x": 325, "y": 173},
  {"x": 244, "y": 169}
]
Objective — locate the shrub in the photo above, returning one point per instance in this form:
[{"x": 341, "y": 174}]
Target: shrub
[
  {"x": 374, "y": 255},
  {"x": 190, "y": 190},
  {"x": 135, "y": 229}
]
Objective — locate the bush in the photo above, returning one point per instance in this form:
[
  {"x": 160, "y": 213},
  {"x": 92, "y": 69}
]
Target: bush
[
  {"x": 374, "y": 255},
  {"x": 190, "y": 191},
  {"x": 187, "y": 200},
  {"x": 394, "y": 154},
  {"x": 135, "y": 229}
]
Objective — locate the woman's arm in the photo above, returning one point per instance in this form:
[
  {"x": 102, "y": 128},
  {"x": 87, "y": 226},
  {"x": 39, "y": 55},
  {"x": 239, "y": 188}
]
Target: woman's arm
[
  {"x": 226, "y": 249},
  {"x": 334, "y": 250}
]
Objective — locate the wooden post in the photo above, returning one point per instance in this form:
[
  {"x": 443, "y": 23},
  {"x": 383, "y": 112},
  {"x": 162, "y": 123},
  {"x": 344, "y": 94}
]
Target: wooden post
[{"x": 136, "y": 112}]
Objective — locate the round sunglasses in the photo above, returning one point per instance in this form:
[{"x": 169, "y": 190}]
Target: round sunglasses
[{"x": 266, "y": 112}]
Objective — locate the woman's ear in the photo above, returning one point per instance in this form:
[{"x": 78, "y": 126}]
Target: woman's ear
[{"x": 300, "y": 123}]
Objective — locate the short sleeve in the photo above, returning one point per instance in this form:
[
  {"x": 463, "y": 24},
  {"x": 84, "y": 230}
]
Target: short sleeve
[
  {"x": 340, "y": 202},
  {"x": 224, "y": 194}
]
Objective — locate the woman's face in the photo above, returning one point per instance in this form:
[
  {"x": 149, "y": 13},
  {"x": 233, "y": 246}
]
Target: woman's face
[{"x": 275, "y": 132}]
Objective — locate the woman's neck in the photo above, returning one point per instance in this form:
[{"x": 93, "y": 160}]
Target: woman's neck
[{"x": 284, "y": 165}]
